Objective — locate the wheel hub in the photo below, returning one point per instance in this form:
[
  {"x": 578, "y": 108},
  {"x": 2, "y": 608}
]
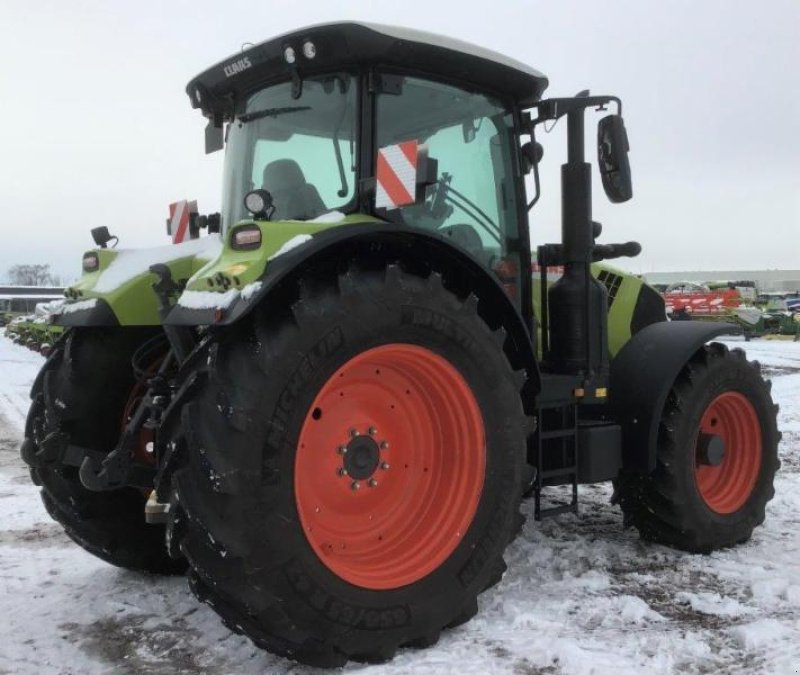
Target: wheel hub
[
  {"x": 361, "y": 458},
  {"x": 710, "y": 449}
]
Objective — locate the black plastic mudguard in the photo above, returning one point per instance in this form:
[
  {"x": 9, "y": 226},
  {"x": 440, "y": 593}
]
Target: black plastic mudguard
[
  {"x": 642, "y": 375},
  {"x": 100, "y": 314}
]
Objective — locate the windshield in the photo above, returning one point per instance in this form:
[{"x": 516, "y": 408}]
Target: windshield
[{"x": 301, "y": 150}]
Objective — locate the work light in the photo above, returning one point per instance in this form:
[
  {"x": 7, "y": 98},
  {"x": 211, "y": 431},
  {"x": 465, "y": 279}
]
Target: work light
[{"x": 258, "y": 202}]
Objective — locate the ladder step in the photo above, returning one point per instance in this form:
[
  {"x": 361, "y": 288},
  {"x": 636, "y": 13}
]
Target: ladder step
[
  {"x": 565, "y": 471},
  {"x": 557, "y": 510},
  {"x": 558, "y": 433}
]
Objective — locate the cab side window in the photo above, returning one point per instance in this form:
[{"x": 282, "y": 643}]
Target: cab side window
[{"x": 473, "y": 202}]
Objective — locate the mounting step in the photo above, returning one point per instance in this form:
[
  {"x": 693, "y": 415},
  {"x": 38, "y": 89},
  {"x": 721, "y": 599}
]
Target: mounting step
[{"x": 556, "y": 455}]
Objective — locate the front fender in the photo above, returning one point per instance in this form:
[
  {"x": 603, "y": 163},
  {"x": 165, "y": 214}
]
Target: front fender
[
  {"x": 642, "y": 375},
  {"x": 120, "y": 291}
]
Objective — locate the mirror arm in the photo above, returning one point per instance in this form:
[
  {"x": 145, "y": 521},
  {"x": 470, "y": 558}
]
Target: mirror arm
[
  {"x": 538, "y": 187},
  {"x": 555, "y": 108}
]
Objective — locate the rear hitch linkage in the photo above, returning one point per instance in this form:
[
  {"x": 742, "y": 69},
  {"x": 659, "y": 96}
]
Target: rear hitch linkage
[{"x": 118, "y": 468}]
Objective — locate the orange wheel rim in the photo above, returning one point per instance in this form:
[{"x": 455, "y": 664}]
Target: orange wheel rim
[
  {"x": 390, "y": 466},
  {"x": 726, "y": 486}
]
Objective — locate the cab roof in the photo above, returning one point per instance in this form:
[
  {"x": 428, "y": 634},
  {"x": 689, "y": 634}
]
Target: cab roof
[{"x": 347, "y": 45}]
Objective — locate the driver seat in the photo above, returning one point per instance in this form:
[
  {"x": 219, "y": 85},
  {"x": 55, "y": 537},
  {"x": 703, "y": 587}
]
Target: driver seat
[{"x": 293, "y": 197}]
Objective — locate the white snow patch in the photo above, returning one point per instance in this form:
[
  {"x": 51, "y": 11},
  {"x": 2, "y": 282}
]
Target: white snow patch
[
  {"x": 330, "y": 217},
  {"x": 759, "y": 633},
  {"x": 207, "y": 299},
  {"x": 633, "y": 610},
  {"x": 769, "y": 589},
  {"x": 250, "y": 290},
  {"x": 130, "y": 263},
  {"x": 792, "y": 595},
  {"x": 593, "y": 581},
  {"x": 714, "y": 604},
  {"x": 69, "y": 308},
  {"x": 294, "y": 242}
]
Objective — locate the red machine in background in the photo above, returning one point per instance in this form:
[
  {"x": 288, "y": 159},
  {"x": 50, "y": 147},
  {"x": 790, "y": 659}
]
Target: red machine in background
[{"x": 688, "y": 298}]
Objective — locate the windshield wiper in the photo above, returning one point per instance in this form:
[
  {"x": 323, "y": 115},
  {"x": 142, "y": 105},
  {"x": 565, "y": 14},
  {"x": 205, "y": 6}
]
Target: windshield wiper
[{"x": 272, "y": 112}]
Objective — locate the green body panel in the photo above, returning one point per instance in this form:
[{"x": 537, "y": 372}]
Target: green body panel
[
  {"x": 623, "y": 291},
  {"x": 206, "y": 264},
  {"x": 132, "y": 299},
  {"x": 234, "y": 269},
  {"x": 214, "y": 266}
]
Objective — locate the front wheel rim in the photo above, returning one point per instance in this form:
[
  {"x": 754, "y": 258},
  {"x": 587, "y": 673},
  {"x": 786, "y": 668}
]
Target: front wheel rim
[
  {"x": 390, "y": 466},
  {"x": 727, "y": 486}
]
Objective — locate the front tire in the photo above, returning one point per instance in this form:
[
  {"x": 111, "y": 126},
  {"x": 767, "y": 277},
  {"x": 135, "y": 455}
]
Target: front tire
[
  {"x": 354, "y": 469},
  {"x": 716, "y": 458}
]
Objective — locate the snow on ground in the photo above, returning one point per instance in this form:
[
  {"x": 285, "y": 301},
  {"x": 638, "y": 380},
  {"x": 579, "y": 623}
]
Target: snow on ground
[{"x": 582, "y": 594}]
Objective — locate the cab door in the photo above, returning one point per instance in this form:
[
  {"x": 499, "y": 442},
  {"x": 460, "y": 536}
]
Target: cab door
[{"x": 474, "y": 200}]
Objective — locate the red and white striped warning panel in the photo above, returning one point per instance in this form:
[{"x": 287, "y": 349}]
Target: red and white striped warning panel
[
  {"x": 178, "y": 223},
  {"x": 396, "y": 175}
]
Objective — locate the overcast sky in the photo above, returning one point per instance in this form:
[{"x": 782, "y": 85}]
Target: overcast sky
[{"x": 96, "y": 128}]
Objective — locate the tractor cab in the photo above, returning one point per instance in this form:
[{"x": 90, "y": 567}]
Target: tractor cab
[
  {"x": 415, "y": 129},
  {"x": 427, "y": 133}
]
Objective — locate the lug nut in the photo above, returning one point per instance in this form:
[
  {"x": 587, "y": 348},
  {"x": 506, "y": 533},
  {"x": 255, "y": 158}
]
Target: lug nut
[
  {"x": 384, "y": 445},
  {"x": 355, "y": 485},
  {"x": 385, "y": 466},
  {"x": 342, "y": 449},
  {"x": 372, "y": 482},
  {"x": 372, "y": 431},
  {"x": 354, "y": 432},
  {"x": 341, "y": 471}
]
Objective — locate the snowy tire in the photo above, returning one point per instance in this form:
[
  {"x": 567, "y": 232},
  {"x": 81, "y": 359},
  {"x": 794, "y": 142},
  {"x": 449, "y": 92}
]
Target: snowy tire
[
  {"x": 295, "y": 421},
  {"x": 716, "y": 459},
  {"x": 88, "y": 383}
]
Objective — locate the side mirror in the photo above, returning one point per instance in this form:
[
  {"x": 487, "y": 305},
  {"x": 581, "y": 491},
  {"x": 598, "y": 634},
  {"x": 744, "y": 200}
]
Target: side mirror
[
  {"x": 215, "y": 139},
  {"x": 532, "y": 153},
  {"x": 612, "y": 158}
]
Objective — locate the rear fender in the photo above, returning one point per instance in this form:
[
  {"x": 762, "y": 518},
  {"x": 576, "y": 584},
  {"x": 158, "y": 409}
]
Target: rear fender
[
  {"x": 642, "y": 375},
  {"x": 377, "y": 245}
]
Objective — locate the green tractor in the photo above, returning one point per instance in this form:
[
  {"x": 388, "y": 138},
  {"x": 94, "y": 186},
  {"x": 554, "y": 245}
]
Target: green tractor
[{"x": 330, "y": 410}]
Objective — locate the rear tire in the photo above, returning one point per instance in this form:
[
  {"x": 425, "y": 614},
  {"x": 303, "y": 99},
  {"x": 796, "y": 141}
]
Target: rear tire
[
  {"x": 89, "y": 385},
  {"x": 686, "y": 502},
  {"x": 244, "y": 509}
]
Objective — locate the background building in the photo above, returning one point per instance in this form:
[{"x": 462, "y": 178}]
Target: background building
[{"x": 767, "y": 281}]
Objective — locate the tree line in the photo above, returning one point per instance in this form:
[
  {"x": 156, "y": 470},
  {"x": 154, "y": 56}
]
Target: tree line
[{"x": 32, "y": 275}]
